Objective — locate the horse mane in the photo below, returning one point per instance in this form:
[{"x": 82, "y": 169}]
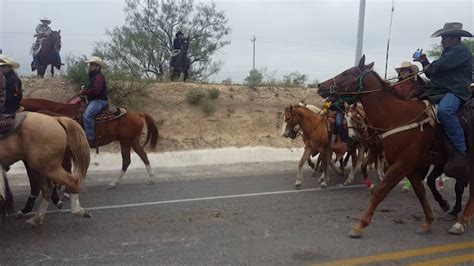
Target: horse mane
[{"x": 388, "y": 88}]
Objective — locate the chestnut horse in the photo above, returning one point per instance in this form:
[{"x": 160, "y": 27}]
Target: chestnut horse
[
  {"x": 125, "y": 129},
  {"x": 49, "y": 53},
  {"x": 407, "y": 149},
  {"x": 41, "y": 142}
]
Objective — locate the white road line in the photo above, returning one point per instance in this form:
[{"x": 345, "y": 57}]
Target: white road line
[{"x": 210, "y": 198}]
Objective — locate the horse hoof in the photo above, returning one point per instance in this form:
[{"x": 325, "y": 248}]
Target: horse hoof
[
  {"x": 151, "y": 182},
  {"x": 355, "y": 233},
  {"x": 423, "y": 231},
  {"x": 445, "y": 208},
  {"x": 66, "y": 196},
  {"x": 457, "y": 229},
  {"x": 112, "y": 185},
  {"x": 324, "y": 185},
  {"x": 86, "y": 214},
  {"x": 298, "y": 183},
  {"x": 33, "y": 221},
  {"x": 450, "y": 217},
  {"x": 347, "y": 182},
  {"x": 19, "y": 215},
  {"x": 60, "y": 204}
]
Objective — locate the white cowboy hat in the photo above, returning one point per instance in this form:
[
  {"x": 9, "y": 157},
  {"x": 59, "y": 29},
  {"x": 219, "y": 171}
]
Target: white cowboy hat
[
  {"x": 452, "y": 28},
  {"x": 45, "y": 19},
  {"x": 408, "y": 65},
  {"x": 5, "y": 60},
  {"x": 97, "y": 60}
]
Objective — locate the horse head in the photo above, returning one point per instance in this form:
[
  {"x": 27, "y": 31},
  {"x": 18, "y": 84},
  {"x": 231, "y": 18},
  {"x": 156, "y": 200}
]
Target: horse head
[
  {"x": 346, "y": 82},
  {"x": 55, "y": 39},
  {"x": 290, "y": 122}
]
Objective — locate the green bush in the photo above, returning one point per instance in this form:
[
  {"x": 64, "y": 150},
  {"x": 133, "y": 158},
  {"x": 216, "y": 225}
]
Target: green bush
[
  {"x": 214, "y": 93},
  {"x": 208, "y": 108},
  {"x": 254, "y": 79},
  {"x": 76, "y": 70},
  {"x": 195, "y": 96}
]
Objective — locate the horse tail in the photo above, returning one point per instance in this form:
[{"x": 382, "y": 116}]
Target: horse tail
[
  {"x": 152, "y": 134},
  {"x": 78, "y": 147}
]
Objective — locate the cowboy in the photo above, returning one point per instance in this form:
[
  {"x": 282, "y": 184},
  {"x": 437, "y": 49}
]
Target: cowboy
[
  {"x": 13, "y": 87},
  {"x": 450, "y": 78},
  {"x": 409, "y": 83},
  {"x": 337, "y": 104},
  {"x": 42, "y": 32},
  {"x": 96, "y": 93},
  {"x": 177, "y": 45}
]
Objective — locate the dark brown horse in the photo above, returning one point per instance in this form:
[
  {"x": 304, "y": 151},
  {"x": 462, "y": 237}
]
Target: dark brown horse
[
  {"x": 181, "y": 63},
  {"x": 126, "y": 130},
  {"x": 48, "y": 55},
  {"x": 408, "y": 152}
]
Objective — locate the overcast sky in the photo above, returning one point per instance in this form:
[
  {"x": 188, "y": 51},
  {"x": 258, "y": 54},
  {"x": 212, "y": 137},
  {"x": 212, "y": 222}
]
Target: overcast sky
[{"x": 314, "y": 37}]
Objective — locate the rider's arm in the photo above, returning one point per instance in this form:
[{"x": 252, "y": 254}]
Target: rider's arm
[
  {"x": 96, "y": 87},
  {"x": 449, "y": 60}
]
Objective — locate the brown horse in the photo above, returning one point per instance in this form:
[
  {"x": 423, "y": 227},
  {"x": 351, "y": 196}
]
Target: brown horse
[
  {"x": 41, "y": 142},
  {"x": 407, "y": 151},
  {"x": 125, "y": 129},
  {"x": 48, "y": 55}
]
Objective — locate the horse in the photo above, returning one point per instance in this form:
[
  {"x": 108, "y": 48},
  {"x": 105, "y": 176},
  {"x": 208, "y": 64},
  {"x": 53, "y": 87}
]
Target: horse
[
  {"x": 48, "y": 55},
  {"x": 181, "y": 63},
  {"x": 41, "y": 142},
  {"x": 125, "y": 129},
  {"x": 408, "y": 132}
]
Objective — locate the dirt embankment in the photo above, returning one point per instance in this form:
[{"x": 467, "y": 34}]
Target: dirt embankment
[{"x": 243, "y": 117}]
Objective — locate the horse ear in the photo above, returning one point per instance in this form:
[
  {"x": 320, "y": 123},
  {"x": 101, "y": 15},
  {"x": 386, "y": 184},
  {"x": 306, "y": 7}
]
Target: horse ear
[
  {"x": 59, "y": 31},
  {"x": 362, "y": 62},
  {"x": 370, "y": 66}
]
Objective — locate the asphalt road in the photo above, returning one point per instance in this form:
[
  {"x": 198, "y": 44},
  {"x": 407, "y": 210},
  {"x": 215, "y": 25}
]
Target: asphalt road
[{"x": 239, "y": 215}]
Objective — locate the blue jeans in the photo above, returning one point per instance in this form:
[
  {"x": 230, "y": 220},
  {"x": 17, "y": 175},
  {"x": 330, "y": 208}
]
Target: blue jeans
[
  {"x": 340, "y": 129},
  {"x": 448, "y": 106},
  {"x": 92, "y": 110}
]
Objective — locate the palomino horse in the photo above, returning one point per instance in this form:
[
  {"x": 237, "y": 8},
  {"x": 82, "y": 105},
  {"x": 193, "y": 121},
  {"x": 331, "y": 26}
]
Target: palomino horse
[
  {"x": 41, "y": 142},
  {"x": 181, "y": 63},
  {"x": 407, "y": 149},
  {"x": 125, "y": 129},
  {"x": 48, "y": 53}
]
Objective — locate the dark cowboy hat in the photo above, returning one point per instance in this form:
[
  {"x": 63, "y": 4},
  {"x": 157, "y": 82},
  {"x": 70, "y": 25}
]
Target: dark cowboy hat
[
  {"x": 179, "y": 33},
  {"x": 452, "y": 29}
]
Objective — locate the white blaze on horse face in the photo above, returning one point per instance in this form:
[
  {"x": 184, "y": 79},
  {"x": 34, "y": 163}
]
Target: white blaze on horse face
[
  {"x": 284, "y": 131},
  {"x": 350, "y": 125}
]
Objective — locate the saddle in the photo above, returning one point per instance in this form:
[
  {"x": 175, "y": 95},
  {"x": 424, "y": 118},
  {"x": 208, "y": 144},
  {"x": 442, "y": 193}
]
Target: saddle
[
  {"x": 336, "y": 144},
  {"x": 9, "y": 123},
  {"x": 110, "y": 112}
]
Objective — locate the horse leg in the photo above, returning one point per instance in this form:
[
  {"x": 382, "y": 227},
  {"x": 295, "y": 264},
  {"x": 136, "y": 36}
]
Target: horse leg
[
  {"x": 453, "y": 214},
  {"x": 431, "y": 182},
  {"x": 419, "y": 189},
  {"x": 393, "y": 176},
  {"x": 142, "y": 154},
  {"x": 46, "y": 190},
  {"x": 62, "y": 177},
  {"x": 463, "y": 221},
  {"x": 52, "y": 71},
  {"x": 299, "y": 174},
  {"x": 34, "y": 192},
  {"x": 125, "y": 150},
  {"x": 356, "y": 155},
  {"x": 325, "y": 159}
]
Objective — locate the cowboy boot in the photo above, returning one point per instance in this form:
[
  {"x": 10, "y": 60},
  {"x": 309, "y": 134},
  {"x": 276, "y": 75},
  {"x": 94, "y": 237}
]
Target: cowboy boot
[{"x": 459, "y": 167}]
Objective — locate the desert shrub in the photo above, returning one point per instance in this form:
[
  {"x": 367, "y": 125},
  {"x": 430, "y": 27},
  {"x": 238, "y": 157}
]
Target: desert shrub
[
  {"x": 195, "y": 96},
  {"x": 214, "y": 93}
]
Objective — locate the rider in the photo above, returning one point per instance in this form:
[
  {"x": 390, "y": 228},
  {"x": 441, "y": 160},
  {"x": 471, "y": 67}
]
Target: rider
[
  {"x": 96, "y": 93},
  {"x": 42, "y": 32},
  {"x": 408, "y": 81},
  {"x": 13, "y": 89},
  {"x": 337, "y": 104},
  {"x": 450, "y": 77},
  {"x": 177, "y": 45}
]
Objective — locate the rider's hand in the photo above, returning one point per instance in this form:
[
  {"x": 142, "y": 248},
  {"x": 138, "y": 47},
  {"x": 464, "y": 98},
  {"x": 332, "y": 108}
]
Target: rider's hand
[{"x": 419, "y": 56}]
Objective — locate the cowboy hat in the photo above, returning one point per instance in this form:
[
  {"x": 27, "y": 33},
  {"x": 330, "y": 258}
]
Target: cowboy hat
[
  {"x": 7, "y": 61},
  {"x": 179, "y": 33},
  {"x": 97, "y": 60},
  {"x": 45, "y": 19},
  {"x": 406, "y": 64},
  {"x": 452, "y": 28}
]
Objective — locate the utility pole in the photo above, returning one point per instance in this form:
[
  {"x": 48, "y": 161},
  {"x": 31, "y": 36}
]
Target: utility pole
[
  {"x": 360, "y": 32},
  {"x": 253, "y": 40}
]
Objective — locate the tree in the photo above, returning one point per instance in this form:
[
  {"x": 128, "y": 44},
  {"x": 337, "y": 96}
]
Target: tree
[
  {"x": 143, "y": 46},
  {"x": 294, "y": 79},
  {"x": 254, "y": 79},
  {"x": 436, "y": 50}
]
